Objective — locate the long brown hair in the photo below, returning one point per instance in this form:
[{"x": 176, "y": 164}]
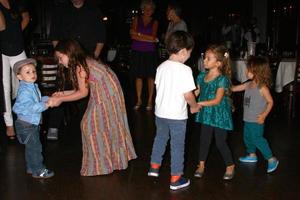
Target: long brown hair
[
  {"x": 77, "y": 58},
  {"x": 259, "y": 67}
]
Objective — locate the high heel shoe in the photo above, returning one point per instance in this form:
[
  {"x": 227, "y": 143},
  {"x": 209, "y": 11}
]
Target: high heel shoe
[
  {"x": 149, "y": 108},
  {"x": 229, "y": 176},
  {"x": 137, "y": 106}
]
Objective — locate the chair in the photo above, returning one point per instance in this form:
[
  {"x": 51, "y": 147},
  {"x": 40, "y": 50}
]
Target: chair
[
  {"x": 274, "y": 62},
  {"x": 47, "y": 75}
]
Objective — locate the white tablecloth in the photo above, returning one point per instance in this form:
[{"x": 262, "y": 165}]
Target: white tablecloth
[
  {"x": 285, "y": 74},
  {"x": 239, "y": 70}
]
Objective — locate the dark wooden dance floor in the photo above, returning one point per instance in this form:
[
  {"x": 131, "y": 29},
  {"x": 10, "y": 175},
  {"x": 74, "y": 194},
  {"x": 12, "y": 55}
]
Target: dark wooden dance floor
[{"x": 64, "y": 157}]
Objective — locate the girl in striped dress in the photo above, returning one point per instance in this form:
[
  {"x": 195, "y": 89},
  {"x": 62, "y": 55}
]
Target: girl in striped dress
[{"x": 106, "y": 139}]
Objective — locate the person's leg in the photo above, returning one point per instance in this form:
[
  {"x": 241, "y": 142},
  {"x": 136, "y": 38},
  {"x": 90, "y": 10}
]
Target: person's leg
[
  {"x": 9, "y": 93},
  {"x": 263, "y": 145},
  {"x": 177, "y": 133},
  {"x": 205, "y": 141},
  {"x": 221, "y": 137},
  {"x": 23, "y": 136},
  {"x": 138, "y": 88},
  {"x": 33, "y": 149},
  {"x": 7, "y": 90},
  {"x": 160, "y": 140},
  {"x": 260, "y": 142},
  {"x": 150, "y": 93},
  {"x": 248, "y": 139},
  {"x": 28, "y": 134}
]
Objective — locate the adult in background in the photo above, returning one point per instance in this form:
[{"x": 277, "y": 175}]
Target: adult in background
[
  {"x": 252, "y": 33},
  {"x": 174, "y": 15},
  {"x": 106, "y": 139},
  {"x": 79, "y": 20},
  {"x": 144, "y": 59},
  {"x": 233, "y": 33},
  {"x": 2, "y": 104},
  {"x": 16, "y": 19}
]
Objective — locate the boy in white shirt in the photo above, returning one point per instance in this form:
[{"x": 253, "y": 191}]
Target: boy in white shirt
[{"x": 174, "y": 90}]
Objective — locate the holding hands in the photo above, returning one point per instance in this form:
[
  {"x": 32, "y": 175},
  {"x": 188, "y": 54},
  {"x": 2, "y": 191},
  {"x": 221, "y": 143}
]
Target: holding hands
[
  {"x": 58, "y": 94},
  {"x": 54, "y": 101},
  {"x": 196, "y": 108},
  {"x": 261, "y": 119}
]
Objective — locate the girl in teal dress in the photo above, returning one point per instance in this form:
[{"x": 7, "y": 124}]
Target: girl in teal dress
[{"x": 215, "y": 115}]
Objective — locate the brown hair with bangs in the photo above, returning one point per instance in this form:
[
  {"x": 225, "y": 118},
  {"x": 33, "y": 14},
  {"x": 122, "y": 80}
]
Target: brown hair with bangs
[{"x": 260, "y": 68}]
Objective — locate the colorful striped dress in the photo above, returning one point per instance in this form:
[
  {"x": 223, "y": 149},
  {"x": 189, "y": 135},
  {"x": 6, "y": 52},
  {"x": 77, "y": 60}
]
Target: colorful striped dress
[{"x": 106, "y": 139}]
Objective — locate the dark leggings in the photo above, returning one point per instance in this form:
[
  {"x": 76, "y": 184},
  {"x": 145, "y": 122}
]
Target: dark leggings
[{"x": 220, "y": 136}]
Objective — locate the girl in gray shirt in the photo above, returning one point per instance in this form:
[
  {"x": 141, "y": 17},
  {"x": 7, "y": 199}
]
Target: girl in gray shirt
[{"x": 258, "y": 103}]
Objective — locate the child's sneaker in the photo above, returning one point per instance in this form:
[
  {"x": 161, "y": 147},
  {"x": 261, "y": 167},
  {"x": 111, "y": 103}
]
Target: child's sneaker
[
  {"x": 45, "y": 173},
  {"x": 180, "y": 183},
  {"x": 272, "y": 165},
  {"x": 153, "y": 172},
  {"x": 248, "y": 159}
]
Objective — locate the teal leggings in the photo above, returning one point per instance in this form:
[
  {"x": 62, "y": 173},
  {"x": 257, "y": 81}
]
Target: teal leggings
[{"x": 253, "y": 138}]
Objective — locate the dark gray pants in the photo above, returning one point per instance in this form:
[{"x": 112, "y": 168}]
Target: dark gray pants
[{"x": 220, "y": 136}]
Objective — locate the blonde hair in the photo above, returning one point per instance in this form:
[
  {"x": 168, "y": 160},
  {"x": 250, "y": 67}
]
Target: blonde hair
[
  {"x": 222, "y": 55},
  {"x": 144, "y": 3},
  {"x": 260, "y": 68}
]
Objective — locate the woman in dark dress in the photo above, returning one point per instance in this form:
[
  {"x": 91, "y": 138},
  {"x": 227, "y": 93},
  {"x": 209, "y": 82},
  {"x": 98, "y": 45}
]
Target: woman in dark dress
[{"x": 12, "y": 49}]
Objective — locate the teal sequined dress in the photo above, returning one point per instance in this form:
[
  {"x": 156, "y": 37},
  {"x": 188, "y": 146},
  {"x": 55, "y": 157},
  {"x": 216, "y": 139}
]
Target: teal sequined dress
[{"x": 219, "y": 115}]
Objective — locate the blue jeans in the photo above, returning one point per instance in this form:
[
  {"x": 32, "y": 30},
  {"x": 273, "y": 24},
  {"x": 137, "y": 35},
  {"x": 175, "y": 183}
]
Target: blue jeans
[
  {"x": 253, "y": 138},
  {"x": 29, "y": 135},
  {"x": 175, "y": 131}
]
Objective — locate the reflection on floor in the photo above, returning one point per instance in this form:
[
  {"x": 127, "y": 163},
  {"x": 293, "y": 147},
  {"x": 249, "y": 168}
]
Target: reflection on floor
[{"x": 64, "y": 157}]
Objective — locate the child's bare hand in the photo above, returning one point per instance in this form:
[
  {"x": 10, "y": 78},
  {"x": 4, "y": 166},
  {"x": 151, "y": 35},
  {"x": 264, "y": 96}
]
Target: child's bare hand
[
  {"x": 49, "y": 103},
  {"x": 195, "y": 109},
  {"x": 54, "y": 101},
  {"x": 261, "y": 119},
  {"x": 57, "y": 94}
]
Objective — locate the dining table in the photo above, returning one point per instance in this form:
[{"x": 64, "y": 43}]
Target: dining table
[
  {"x": 285, "y": 73},
  {"x": 239, "y": 69}
]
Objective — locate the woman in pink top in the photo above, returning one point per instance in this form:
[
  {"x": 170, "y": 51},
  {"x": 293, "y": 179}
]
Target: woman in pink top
[{"x": 144, "y": 57}]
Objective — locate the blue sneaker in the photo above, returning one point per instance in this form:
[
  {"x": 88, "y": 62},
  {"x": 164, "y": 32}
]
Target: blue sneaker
[
  {"x": 180, "y": 183},
  {"x": 45, "y": 173},
  {"x": 153, "y": 172},
  {"x": 272, "y": 165},
  {"x": 248, "y": 159}
]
